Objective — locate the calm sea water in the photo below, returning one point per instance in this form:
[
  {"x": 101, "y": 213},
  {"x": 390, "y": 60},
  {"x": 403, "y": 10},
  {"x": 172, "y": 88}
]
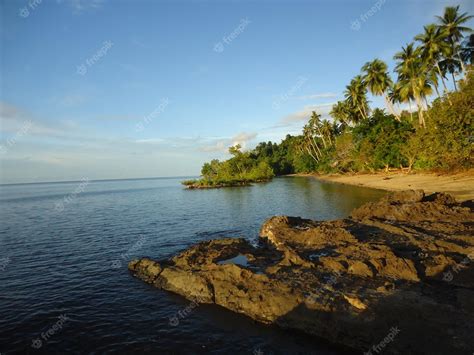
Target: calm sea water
[{"x": 64, "y": 249}]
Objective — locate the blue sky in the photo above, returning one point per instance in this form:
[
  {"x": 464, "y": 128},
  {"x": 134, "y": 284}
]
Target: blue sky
[{"x": 119, "y": 89}]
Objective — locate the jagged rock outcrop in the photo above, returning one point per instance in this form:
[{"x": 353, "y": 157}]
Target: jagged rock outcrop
[{"x": 401, "y": 268}]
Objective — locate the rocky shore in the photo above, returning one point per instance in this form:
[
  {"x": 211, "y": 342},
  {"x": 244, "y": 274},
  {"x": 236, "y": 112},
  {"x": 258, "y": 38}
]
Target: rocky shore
[{"x": 396, "y": 276}]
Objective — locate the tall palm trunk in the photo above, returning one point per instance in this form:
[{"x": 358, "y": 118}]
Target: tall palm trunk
[
  {"x": 315, "y": 147},
  {"x": 437, "y": 91},
  {"x": 442, "y": 77},
  {"x": 311, "y": 154},
  {"x": 322, "y": 137},
  {"x": 390, "y": 107},
  {"x": 444, "y": 84},
  {"x": 362, "y": 113},
  {"x": 454, "y": 81},
  {"x": 411, "y": 111},
  {"x": 421, "y": 118}
]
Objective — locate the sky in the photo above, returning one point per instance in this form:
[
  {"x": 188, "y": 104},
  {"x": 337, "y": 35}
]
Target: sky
[{"x": 104, "y": 89}]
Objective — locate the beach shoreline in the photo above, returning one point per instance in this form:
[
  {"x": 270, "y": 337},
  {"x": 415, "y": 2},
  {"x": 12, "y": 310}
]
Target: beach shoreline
[{"x": 460, "y": 184}]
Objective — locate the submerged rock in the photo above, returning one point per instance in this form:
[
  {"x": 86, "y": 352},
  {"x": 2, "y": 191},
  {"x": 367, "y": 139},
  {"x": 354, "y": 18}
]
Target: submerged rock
[{"x": 400, "y": 269}]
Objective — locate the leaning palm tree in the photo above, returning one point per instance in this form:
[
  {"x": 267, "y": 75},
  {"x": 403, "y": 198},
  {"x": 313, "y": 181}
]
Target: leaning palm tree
[
  {"x": 315, "y": 125},
  {"x": 355, "y": 95},
  {"x": 308, "y": 144},
  {"x": 340, "y": 112},
  {"x": 378, "y": 81},
  {"x": 452, "y": 24},
  {"x": 327, "y": 131},
  {"x": 434, "y": 47}
]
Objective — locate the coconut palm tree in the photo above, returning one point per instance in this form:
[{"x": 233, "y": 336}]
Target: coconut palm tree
[
  {"x": 467, "y": 50},
  {"x": 451, "y": 65},
  {"x": 355, "y": 95},
  {"x": 315, "y": 125},
  {"x": 311, "y": 148},
  {"x": 413, "y": 77},
  {"x": 378, "y": 81},
  {"x": 434, "y": 47},
  {"x": 452, "y": 24},
  {"x": 327, "y": 131},
  {"x": 394, "y": 95},
  {"x": 340, "y": 112}
]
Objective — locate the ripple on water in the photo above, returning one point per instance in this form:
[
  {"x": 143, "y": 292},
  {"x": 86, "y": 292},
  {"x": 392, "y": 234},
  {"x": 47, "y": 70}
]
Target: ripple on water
[{"x": 63, "y": 263}]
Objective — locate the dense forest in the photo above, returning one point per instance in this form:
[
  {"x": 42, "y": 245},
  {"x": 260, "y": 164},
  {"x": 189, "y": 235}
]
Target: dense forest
[{"x": 436, "y": 133}]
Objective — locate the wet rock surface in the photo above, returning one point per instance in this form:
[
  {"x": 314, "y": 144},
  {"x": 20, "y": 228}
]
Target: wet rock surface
[{"x": 397, "y": 275}]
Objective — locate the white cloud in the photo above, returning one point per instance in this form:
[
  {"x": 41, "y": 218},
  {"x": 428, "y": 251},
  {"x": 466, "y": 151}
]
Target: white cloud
[
  {"x": 222, "y": 144},
  {"x": 305, "y": 113}
]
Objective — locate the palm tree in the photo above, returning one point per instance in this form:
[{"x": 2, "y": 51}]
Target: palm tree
[
  {"x": 355, "y": 95},
  {"x": 309, "y": 144},
  {"x": 394, "y": 95},
  {"x": 452, "y": 24},
  {"x": 326, "y": 130},
  {"x": 378, "y": 81},
  {"x": 467, "y": 50},
  {"x": 412, "y": 75},
  {"x": 452, "y": 66},
  {"x": 315, "y": 125},
  {"x": 405, "y": 94},
  {"x": 340, "y": 112},
  {"x": 434, "y": 47}
]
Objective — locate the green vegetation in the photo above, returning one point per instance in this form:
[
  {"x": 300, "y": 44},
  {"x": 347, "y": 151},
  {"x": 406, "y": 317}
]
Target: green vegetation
[
  {"x": 434, "y": 136},
  {"x": 240, "y": 170}
]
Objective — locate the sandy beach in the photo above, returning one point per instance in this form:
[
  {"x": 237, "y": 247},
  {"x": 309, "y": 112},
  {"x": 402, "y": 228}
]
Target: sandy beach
[{"x": 460, "y": 185}]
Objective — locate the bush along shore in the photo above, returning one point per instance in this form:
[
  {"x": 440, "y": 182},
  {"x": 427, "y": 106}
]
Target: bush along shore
[
  {"x": 242, "y": 169},
  {"x": 435, "y": 133}
]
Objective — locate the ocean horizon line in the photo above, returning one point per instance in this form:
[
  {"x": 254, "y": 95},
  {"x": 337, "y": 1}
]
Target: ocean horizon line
[{"x": 99, "y": 180}]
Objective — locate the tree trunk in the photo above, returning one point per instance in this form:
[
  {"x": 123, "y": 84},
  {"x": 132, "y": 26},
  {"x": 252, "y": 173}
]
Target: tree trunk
[
  {"x": 421, "y": 118},
  {"x": 463, "y": 68},
  {"x": 390, "y": 107},
  {"x": 315, "y": 147},
  {"x": 437, "y": 92},
  {"x": 322, "y": 137},
  {"x": 454, "y": 81},
  {"x": 444, "y": 84},
  {"x": 362, "y": 113},
  {"x": 442, "y": 77},
  {"x": 411, "y": 112},
  {"x": 311, "y": 154}
]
